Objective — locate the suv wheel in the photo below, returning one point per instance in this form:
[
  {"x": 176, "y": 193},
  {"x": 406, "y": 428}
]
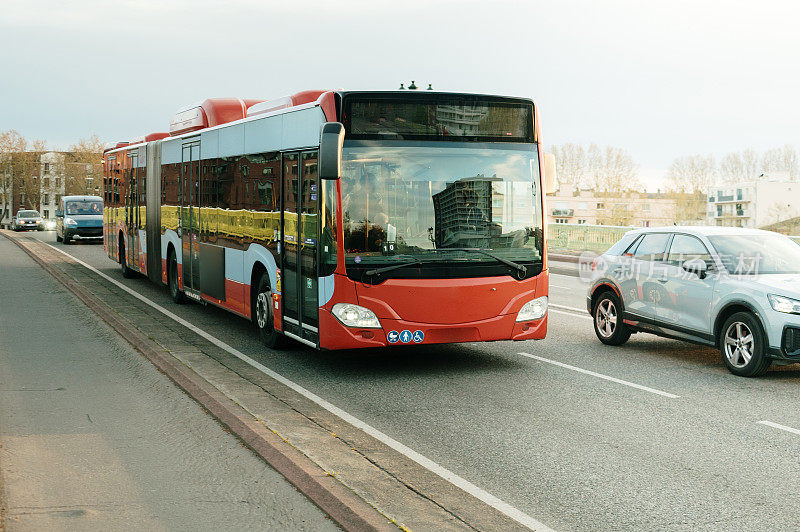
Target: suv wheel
[
  {"x": 263, "y": 317},
  {"x": 743, "y": 345},
  {"x": 607, "y": 318}
]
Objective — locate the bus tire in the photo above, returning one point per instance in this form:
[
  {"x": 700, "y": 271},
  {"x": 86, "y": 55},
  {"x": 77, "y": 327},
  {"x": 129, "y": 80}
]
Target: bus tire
[
  {"x": 123, "y": 262},
  {"x": 172, "y": 279},
  {"x": 263, "y": 317}
]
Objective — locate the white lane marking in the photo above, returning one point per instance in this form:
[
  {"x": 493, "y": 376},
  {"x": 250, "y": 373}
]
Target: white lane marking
[
  {"x": 427, "y": 463},
  {"x": 568, "y": 313},
  {"x": 781, "y": 427},
  {"x": 559, "y": 286},
  {"x": 565, "y": 277},
  {"x": 601, "y": 376},
  {"x": 582, "y": 311}
]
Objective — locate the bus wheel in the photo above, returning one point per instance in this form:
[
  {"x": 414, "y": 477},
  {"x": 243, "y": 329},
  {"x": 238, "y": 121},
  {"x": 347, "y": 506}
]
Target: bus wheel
[
  {"x": 123, "y": 262},
  {"x": 263, "y": 317},
  {"x": 172, "y": 279}
]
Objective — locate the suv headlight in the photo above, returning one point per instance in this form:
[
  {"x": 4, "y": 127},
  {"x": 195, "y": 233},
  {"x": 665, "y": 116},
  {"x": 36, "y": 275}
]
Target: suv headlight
[
  {"x": 533, "y": 310},
  {"x": 355, "y": 316},
  {"x": 784, "y": 304},
  {"x": 70, "y": 221}
]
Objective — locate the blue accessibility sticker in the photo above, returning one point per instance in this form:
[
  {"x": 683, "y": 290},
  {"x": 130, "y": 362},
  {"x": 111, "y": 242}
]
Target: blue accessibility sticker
[
  {"x": 405, "y": 336},
  {"x": 392, "y": 337},
  {"x": 419, "y": 336}
]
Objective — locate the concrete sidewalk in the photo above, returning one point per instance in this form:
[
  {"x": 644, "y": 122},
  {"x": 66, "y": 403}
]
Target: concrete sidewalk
[{"x": 92, "y": 436}]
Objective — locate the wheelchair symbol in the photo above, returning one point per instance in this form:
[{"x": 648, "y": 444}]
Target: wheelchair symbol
[{"x": 419, "y": 336}]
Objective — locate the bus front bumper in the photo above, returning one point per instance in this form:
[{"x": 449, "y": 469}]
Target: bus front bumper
[{"x": 394, "y": 332}]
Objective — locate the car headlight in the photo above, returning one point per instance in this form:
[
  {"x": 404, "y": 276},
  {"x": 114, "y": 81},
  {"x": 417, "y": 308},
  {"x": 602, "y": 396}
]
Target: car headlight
[
  {"x": 533, "y": 310},
  {"x": 70, "y": 221},
  {"x": 784, "y": 304},
  {"x": 355, "y": 316}
]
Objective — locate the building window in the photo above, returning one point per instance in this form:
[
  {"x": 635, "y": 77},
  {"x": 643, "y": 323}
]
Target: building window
[
  {"x": 561, "y": 221},
  {"x": 581, "y": 222},
  {"x": 719, "y": 210},
  {"x": 58, "y": 182},
  {"x": 46, "y": 182},
  {"x": 645, "y": 223},
  {"x": 46, "y": 168},
  {"x": 45, "y": 213},
  {"x": 601, "y": 205},
  {"x": 46, "y": 199}
]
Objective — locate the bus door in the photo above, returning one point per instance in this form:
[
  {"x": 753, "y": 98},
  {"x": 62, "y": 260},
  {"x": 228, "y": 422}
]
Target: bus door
[
  {"x": 299, "y": 237},
  {"x": 189, "y": 217},
  {"x": 132, "y": 212}
]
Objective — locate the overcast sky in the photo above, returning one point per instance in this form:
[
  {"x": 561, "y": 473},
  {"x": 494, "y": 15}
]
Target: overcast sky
[{"x": 660, "y": 79}]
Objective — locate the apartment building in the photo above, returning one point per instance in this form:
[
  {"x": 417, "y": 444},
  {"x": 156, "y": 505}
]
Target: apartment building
[
  {"x": 758, "y": 203},
  {"x": 638, "y": 209},
  {"x": 40, "y": 188}
]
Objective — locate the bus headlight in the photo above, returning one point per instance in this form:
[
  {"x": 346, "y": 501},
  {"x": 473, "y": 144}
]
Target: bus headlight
[
  {"x": 70, "y": 222},
  {"x": 533, "y": 310},
  {"x": 355, "y": 316}
]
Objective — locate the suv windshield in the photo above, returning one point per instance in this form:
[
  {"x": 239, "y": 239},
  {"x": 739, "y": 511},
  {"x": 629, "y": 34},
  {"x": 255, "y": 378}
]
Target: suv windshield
[
  {"x": 757, "y": 254},
  {"x": 435, "y": 204},
  {"x": 84, "y": 207},
  {"x": 27, "y": 214}
]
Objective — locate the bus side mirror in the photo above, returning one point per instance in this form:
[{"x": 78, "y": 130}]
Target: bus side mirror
[
  {"x": 331, "y": 139},
  {"x": 550, "y": 180}
]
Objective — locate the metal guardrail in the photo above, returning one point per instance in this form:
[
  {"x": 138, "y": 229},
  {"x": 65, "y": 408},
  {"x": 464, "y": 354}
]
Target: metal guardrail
[{"x": 583, "y": 237}]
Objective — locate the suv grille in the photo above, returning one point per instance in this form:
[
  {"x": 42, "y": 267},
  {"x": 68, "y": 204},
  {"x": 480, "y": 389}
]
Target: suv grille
[{"x": 791, "y": 342}]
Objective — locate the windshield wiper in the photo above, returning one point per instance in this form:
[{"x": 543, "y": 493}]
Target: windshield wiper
[
  {"x": 377, "y": 271},
  {"x": 512, "y": 264}
]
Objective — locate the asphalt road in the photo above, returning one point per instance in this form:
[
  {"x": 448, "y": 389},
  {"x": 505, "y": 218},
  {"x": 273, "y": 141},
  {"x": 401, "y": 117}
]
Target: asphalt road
[
  {"x": 654, "y": 435},
  {"x": 93, "y": 437}
]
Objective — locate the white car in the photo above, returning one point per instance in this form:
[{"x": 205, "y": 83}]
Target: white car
[{"x": 734, "y": 289}]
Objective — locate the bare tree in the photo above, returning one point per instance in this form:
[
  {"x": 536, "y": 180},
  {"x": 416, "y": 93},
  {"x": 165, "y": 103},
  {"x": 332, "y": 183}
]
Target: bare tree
[
  {"x": 783, "y": 159},
  {"x": 606, "y": 169},
  {"x": 613, "y": 170},
  {"x": 82, "y": 168},
  {"x": 19, "y": 171},
  {"x": 740, "y": 166},
  {"x": 572, "y": 166},
  {"x": 692, "y": 173}
]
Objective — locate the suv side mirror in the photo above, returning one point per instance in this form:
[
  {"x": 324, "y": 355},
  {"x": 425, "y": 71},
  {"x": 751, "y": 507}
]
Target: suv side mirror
[
  {"x": 331, "y": 139},
  {"x": 59, "y": 214},
  {"x": 550, "y": 180},
  {"x": 698, "y": 267}
]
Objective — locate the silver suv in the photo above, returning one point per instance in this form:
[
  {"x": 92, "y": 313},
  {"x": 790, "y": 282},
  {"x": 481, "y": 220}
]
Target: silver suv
[{"x": 734, "y": 289}]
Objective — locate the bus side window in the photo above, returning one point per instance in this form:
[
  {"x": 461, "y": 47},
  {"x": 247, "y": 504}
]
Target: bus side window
[{"x": 327, "y": 263}]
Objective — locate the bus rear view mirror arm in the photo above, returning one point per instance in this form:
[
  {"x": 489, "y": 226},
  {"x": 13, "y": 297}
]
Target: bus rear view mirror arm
[{"x": 331, "y": 139}]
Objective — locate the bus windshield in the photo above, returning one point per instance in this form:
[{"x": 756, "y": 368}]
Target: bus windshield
[
  {"x": 434, "y": 204},
  {"x": 77, "y": 208}
]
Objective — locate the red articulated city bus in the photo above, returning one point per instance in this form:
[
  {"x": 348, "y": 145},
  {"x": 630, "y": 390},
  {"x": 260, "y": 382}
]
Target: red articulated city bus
[{"x": 343, "y": 219}]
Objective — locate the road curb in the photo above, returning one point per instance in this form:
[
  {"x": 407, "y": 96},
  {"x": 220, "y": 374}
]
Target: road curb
[{"x": 349, "y": 510}]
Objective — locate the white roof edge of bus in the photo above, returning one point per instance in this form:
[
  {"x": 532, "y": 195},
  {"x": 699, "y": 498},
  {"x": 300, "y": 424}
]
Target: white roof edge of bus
[{"x": 286, "y": 110}]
